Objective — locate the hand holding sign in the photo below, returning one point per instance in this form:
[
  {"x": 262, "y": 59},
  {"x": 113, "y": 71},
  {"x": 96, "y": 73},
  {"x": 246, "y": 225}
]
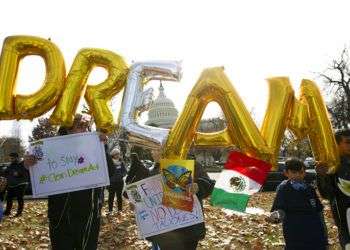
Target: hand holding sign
[
  {"x": 29, "y": 160},
  {"x": 192, "y": 188},
  {"x": 152, "y": 217},
  {"x": 103, "y": 137}
]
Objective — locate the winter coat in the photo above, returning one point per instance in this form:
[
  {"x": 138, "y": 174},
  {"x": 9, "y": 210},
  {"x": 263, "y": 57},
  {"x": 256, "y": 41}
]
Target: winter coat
[
  {"x": 155, "y": 169},
  {"x": 118, "y": 172},
  {"x": 328, "y": 187},
  {"x": 16, "y": 174},
  {"x": 137, "y": 172},
  {"x": 303, "y": 224}
]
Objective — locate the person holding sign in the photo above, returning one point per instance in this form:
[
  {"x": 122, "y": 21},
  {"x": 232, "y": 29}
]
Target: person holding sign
[
  {"x": 74, "y": 217},
  {"x": 187, "y": 238}
]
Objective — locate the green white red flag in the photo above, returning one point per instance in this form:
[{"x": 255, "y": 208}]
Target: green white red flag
[{"x": 242, "y": 176}]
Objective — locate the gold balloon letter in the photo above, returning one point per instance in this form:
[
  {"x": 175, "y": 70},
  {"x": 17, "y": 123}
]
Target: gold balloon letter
[
  {"x": 277, "y": 113},
  {"x": 96, "y": 96},
  {"x": 274, "y": 123},
  {"x": 213, "y": 85},
  {"x": 310, "y": 118},
  {"x": 29, "y": 106},
  {"x": 299, "y": 122},
  {"x": 306, "y": 117}
]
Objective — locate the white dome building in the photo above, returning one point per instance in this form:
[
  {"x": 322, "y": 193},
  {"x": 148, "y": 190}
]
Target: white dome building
[{"x": 162, "y": 113}]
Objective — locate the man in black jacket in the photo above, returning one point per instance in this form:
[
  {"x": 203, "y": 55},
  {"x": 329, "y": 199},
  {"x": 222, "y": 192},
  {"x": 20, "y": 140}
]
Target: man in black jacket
[
  {"x": 335, "y": 187},
  {"x": 17, "y": 181}
]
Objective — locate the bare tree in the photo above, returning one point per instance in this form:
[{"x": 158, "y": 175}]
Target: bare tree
[
  {"x": 43, "y": 129},
  {"x": 337, "y": 83},
  {"x": 292, "y": 147},
  {"x": 212, "y": 124},
  {"x": 10, "y": 145},
  {"x": 119, "y": 139},
  {"x": 207, "y": 126}
]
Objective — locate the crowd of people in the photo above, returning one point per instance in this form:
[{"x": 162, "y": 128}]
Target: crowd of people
[{"x": 75, "y": 217}]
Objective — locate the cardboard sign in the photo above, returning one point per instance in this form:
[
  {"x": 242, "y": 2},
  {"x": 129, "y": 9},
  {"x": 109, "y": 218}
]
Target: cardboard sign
[
  {"x": 68, "y": 163},
  {"x": 177, "y": 175},
  {"x": 152, "y": 217}
]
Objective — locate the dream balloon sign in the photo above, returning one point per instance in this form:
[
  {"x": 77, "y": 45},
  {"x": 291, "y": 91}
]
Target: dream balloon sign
[{"x": 305, "y": 117}]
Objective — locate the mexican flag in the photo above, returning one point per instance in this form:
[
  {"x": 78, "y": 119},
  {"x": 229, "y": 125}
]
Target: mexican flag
[{"x": 241, "y": 177}]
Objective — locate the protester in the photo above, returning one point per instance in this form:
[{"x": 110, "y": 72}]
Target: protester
[
  {"x": 299, "y": 209},
  {"x": 116, "y": 181},
  {"x": 137, "y": 171},
  {"x": 17, "y": 180},
  {"x": 155, "y": 169},
  {"x": 74, "y": 217},
  {"x": 187, "y": 238},
  {"x": 331, "y": 187}
]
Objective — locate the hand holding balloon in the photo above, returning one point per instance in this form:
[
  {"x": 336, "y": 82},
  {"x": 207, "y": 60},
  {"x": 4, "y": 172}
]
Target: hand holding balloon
[{"x": 321, "y": 168}]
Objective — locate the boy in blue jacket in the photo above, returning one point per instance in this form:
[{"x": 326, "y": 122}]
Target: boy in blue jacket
[{"x": 299, "y": 209}]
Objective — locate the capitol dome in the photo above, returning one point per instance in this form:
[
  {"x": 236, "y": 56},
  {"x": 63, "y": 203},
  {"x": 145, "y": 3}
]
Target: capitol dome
[{"x": 162, "y": 113}]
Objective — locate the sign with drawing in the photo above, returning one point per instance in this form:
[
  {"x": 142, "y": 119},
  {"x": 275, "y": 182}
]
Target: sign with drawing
[
  {"x": 152, "y": 217},
  {"x": 68, "y": 163}
]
